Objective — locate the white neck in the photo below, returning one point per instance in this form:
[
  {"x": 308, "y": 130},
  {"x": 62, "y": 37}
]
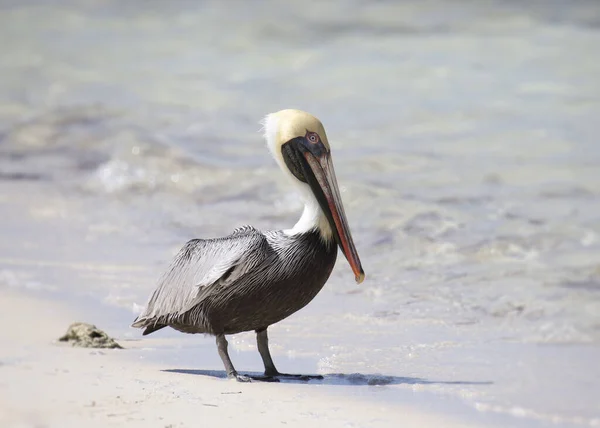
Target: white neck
[{"x": 312, "y": 218}]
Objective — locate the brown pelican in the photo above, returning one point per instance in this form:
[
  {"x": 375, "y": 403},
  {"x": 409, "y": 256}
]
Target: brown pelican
[{"x": 250, "y": 279}]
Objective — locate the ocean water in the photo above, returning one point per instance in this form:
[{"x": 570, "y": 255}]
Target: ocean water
[{"x": 465, "y": 140}]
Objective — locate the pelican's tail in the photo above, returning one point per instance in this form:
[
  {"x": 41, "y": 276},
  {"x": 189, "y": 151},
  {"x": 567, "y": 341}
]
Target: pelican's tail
[{"x": 150, "y": 325}]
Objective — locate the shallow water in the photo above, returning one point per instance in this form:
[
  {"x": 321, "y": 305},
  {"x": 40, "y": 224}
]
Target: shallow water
[{"x": 464, "y": 138}]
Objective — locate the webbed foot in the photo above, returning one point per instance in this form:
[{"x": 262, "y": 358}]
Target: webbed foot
[
  {"x": 250, "y": 378},
  {"x": 239, "y": 377}
]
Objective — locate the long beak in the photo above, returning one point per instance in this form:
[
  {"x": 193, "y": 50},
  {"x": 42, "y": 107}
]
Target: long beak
[{"x": 331, "y": 203}]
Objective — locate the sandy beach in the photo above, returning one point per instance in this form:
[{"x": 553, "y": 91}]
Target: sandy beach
[{"x": 46, "y": 384}]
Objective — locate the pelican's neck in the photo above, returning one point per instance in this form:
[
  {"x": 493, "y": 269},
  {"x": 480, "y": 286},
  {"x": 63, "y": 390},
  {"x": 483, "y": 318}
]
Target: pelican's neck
[{"x": 312, "y": 218}]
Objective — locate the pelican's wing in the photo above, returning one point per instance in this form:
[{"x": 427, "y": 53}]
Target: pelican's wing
[{"x": 200, "y": 266}]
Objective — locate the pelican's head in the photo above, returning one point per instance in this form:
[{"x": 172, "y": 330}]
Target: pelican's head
[{"x": 299, "y": 144}]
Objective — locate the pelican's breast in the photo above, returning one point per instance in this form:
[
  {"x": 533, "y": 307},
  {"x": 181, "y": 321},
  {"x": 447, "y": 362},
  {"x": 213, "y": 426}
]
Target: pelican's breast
[{"x": 294, "y": 273}]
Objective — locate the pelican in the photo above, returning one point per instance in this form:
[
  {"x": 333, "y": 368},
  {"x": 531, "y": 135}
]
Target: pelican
[{"x": 250, "y": 279}]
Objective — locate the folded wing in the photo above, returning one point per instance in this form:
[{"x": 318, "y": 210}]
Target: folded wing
[{"x": 202, "y": 267}]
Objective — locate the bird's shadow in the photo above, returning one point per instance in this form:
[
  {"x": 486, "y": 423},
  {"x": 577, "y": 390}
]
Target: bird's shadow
[{"x": 357, "y": 379}]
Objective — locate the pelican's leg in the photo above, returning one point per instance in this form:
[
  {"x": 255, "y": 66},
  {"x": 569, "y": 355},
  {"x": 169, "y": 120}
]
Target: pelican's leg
[
  {"x": 231, "y": 372},
  {"x": 262, "y": 340}
]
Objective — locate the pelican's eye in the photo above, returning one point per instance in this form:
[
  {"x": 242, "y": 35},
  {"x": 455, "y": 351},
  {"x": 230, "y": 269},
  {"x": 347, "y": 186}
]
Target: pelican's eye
[{"x": 313, "y": 137}]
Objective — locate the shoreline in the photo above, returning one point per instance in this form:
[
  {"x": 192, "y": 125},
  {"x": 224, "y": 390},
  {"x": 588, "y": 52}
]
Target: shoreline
[{"x": 46, "y": 384}]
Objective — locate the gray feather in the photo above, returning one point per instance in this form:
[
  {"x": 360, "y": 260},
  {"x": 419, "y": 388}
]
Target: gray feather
[
  {"x": 199, "y": 265},
  {"x": 247, "y": 280}
]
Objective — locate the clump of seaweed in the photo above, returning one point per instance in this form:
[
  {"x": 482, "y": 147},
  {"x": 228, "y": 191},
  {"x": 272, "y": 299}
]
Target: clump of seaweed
[{"x": 88, "y": 336}]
